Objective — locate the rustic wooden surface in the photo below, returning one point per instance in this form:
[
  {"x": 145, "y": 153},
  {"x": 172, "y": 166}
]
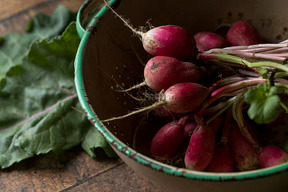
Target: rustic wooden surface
[{"x": 73, "y": 170}]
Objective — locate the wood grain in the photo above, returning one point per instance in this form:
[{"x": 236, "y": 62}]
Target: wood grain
[
  {"x": 15, "y": 15},
  {"x": 74, "y": 170},
  {"x": 11, "y": 7}
]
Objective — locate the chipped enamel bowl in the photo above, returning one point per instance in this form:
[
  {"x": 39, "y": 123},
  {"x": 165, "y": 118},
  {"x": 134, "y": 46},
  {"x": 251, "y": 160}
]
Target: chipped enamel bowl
[{"x": 110, "y": 53}]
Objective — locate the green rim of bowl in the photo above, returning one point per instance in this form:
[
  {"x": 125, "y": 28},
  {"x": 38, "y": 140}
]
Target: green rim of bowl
[
  {"x": 131, "y": 153},
  {"x": 79, "y": 25}
]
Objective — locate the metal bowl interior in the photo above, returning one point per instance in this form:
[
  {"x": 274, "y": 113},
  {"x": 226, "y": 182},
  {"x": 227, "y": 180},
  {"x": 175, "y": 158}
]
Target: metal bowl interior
[{"x": 110, "y": 56}]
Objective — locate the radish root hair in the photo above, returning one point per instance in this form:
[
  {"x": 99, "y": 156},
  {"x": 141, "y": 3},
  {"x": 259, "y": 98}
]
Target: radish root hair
[
  {"x": 149, "y": 24},
  {"x": 133, "y": 87},
  {"x": 161, "y": 101},
  {"x": 121, "y": 88},
  {"x": 136, "y": 54},
  {"x": 126, "y": 22}
]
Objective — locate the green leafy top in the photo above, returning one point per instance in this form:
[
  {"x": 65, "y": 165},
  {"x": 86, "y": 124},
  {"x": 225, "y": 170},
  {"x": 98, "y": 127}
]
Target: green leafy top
[
  {"x": 37, "y": 93},
  {"x": 15, "y": 45},
  {"x": 265, "y": 103}
]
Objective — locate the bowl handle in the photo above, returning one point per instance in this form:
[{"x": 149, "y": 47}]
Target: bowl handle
[{"x": 90, "y": 11}]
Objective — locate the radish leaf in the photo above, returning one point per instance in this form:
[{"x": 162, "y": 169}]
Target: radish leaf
[
  {"x": 38, "y": 97},
  {"x": 36, "y": 114},
  {"x": 264, "y": 103},
  {"x": 99, "y": 148},
  {"x": 14, "y": 45}
]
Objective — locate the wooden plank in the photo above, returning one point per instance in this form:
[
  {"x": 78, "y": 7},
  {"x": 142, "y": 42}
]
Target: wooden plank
[
  {"x": 11, "y": 7},
  {"x": 54, "y": 173},
  {"x": 120, "y": 178},
  {"x": 72, "y": 171},
  {"x": 17, "y": 21}
]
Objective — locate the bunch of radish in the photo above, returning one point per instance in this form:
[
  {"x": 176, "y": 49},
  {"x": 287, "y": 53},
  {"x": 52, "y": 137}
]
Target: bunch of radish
[{"x": 209, "y": 88}]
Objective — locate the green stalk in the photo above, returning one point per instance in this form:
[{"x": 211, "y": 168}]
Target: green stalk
[
  {"x": 219, "y": 106},
  {"x": 266, "y": 64},
  {"x": 237, "y": 86},
  {"x": 281, "y": 74},
  {"x": 285, "y": 107},
  {"x": 226, "y": 81},
  {"x": 227, "y": 90},
  {"x": 221, "y": 57},
  {"x": 220, "y": 112},
  {"x": 245, "y": 63},
  {"x": 237, "y": 110},
  {"x": 281, "y": 84}
]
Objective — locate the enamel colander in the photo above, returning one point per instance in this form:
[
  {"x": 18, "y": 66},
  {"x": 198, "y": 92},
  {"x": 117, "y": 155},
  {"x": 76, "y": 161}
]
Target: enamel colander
[{"x": 110, "y": 55}]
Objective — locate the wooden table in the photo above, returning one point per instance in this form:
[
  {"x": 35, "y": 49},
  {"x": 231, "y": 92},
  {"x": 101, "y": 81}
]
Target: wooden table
[{"x": 73, "y": 170}]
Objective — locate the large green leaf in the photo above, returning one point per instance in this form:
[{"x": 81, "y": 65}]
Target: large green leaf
[
  {"x": 38, "y": 102},
  {"x": 57, "y": 128},
  {"x": 15, "y": 44},
  {"x": 49, "y": 26},
  {"x": 46, "y": 76},
  {"x": 36, "y": 105},
  {"x": 96, "y": 149}
]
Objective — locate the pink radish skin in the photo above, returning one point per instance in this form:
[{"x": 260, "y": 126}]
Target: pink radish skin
[
  {"x": 209, "y": 40},
  {"x": 180, "y": 98},
  {"x": 243, "y": 33},
  {"x": 184, "y": 97},
  {"x": 164, "y": 114},
  {"x": 244, "y": 154},
  {"x": 167, "y": 141},
  {"x": 189, "y": 129},
  {"x": 271, "y": 155},
  {"x": 200, "y": 150},
  {"x": 169, "y": 40},
  {"x": 215, "y": 125},
  {"x": 222, "y": 161},
  {"x": 161, "y": 72}
]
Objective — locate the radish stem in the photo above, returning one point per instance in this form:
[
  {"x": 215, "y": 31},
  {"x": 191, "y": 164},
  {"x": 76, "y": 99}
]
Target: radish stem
[
  {"x": 227, "y": 90},
  {"x": 237, "y": 109},
  {"x": 219, "y": 112}
]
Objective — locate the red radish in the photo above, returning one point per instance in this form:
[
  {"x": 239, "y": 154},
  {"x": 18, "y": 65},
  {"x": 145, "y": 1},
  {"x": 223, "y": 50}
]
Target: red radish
[
  {"x": 184, "y": 97},
  {"x": 222, "y": 160},
  {"x": 179, "y": 98},
  {"x": 166, "y": 40},
  {"x": 167, "y": 141},
  {"x": 243, "y": 33},
  {"x": 272, "y": 155},
  {"x": 189, "y": 129},
  {"x": 209, "y": 40},
  {"x": 200, "y": 150},
  {"x": 163, "y": 113},
  {"x": 215, "y": 125},
  {"x": 161, "y": 72},
  {"x": 244, "y": 154}
]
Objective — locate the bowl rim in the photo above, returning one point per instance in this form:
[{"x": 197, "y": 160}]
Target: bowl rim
[{"x": 130, "y": 152}]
